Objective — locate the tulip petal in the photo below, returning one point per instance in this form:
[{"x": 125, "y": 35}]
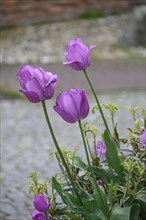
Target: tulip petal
[
  {"x": 84, "y": 110},
  {"x": 65, "y": 115},
  {"x": 25, "y": 74},
  {"x": 92, "y": 47},
  {"x": 74, "y": 64},
  {"x": 31, "y": 96},
  {"x": 48, "y": 92},
  {"x": 52, "y": 78},
  {"x": 34, "y": 86}
]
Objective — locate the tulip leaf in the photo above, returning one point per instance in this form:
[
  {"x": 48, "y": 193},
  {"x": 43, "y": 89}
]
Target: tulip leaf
[
  {"x": 56, "y": 185},
  {"x": 120, "y": 213},
  {"x": 141, "y": 200},
  {"x": 78, "y": 163},
  {"x": 92, "y": 210},
  {"x": 125, "y": 213},
  {"x": 105, "y": 174},
  {"x": 72, "y": 216},
  {"x": 112, "y": 157},
  {"x": 71, "y": 200},
  {"x": 99, "y": 197},
  {"x": 135, "y": 210}
]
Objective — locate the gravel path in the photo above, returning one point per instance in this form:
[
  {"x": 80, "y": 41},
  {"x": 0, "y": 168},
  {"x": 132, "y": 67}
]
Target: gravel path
[{"x": 26, "y": 145}]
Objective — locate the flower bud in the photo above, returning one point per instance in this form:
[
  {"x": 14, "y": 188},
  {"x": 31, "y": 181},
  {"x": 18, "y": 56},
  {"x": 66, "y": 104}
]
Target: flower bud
[
  {"x": 37, "y": 85},
  {"x": 41, "y": 203},
  {"x": 38, "y": 216},
  {"x": 77, "y": 54},
  {"x": 143, "y": 138},
  {"x": 72, "y": 105}
]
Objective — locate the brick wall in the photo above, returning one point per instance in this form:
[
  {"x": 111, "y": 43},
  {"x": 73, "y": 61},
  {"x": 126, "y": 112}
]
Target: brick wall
[{"x": 17, "y": 12}]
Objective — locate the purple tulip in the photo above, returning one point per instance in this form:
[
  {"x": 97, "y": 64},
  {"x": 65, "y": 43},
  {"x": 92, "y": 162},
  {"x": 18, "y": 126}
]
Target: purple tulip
[
  {"x": 41, "y": 203},
  {"x": 143, "y": 138},
  {"x": 38, "y": 216},
  {"x": 72, "y": 105},
  {"x": 77, "y": 54},
  {"x": 37, "y": 85},
  {"x": 100, "y": 150}
]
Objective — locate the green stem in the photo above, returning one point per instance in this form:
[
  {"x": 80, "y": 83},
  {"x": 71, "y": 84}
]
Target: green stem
[
  {"x": 84, "y": 142},
  {"x": 102, "y": 203},
  {"x": 95, "y": 96},
  {"x": 59, "y": 150}
]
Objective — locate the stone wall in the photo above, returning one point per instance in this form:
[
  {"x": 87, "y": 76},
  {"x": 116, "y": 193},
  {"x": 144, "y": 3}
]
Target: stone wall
[{"x": 18, "y": 12}]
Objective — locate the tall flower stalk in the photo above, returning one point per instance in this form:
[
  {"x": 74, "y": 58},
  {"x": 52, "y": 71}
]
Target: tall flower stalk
[
  {"x": 101, "y": 200},
  {"x": 78, "y": 58},
  {"x": 97, "y": 101},
  {"x": 59, "y": 150}
]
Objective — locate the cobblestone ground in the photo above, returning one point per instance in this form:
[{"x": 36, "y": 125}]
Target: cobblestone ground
[
  {"x": 27, "y": 145},
  {"x": 46, "y": 43}
]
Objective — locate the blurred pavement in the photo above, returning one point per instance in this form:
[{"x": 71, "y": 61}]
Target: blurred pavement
[{"x": 105, "y": 75}]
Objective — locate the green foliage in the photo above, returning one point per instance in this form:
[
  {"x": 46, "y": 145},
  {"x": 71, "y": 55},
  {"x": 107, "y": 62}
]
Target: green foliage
[
  {"x": 112, "y": 157},
  {"x": 122, "y": 194},
  {"x": 88, "y": 14}
]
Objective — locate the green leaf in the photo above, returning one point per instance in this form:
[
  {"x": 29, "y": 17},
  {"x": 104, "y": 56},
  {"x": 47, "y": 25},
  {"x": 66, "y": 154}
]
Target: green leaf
[
  {"x": 125, "y": 213},
  {"x": 112, "y": 155},
  {"x": 56, "y": 185},
  {"x": 71, "y": 200},
  {"x": 141, "y": 200},
  {"x": 134, "y": 214},
  {"x": 93, "y": 211},
  {"x": 99, "y": 197},
  {"x": 105, "y": 174},
  {"x": 78, "y": 163},
  {"x": 72, "y": 216},
  {"x": 110, "y": 193},
  {"x": 118, "y": 213},
  {"x": 84, "y": 194}
]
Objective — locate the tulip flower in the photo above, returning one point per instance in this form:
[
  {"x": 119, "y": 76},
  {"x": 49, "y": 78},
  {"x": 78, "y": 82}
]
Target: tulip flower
[
  {"x": 37, "y": 85},
  {"x": 41, "y": 203},
  {"x": 72, "y": 105},
  {"x": 78, "y": 54},
  {"x": 38, "y": 216},
  {"x": 143, "y": 138}
]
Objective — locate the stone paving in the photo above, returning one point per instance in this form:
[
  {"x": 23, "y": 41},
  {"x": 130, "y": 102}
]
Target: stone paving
[{"x": 26, "y": 145}]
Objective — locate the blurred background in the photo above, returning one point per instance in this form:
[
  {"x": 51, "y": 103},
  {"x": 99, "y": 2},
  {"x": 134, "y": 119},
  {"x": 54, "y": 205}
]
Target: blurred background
[{"x": 36, "y": 32}]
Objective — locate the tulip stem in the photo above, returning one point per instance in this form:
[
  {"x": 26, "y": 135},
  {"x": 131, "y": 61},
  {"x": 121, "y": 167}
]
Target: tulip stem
[
  {"x": 85, "y": 146},
  {"x": 59, "y": 150},
  {"x": 102, "y": 204},
  {"x": 97, "y": 101}
]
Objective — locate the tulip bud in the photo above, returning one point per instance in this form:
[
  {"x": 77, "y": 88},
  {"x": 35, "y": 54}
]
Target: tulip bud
[
  {"x": 143, "y": 138},
  {"x": 77, "y": 54},
  {"x": 41, "y": 203},
  {"x": 37, "y": 85},
  {"x": 72, "y": 105},
  {"x": 38, "y": 216}
]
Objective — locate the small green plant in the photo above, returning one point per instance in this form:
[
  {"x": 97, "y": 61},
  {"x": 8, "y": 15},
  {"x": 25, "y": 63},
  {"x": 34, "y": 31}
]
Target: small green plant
[{"x": 88, "y": 14}]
